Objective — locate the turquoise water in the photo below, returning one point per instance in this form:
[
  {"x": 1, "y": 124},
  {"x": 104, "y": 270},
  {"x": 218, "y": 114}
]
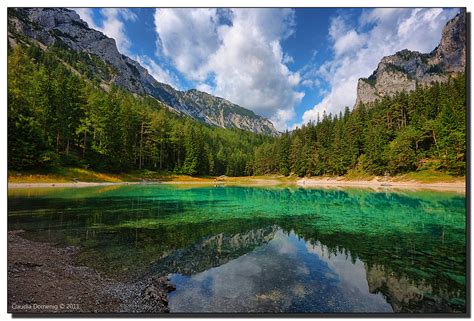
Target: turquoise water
[{"x": 247, "y": 249}]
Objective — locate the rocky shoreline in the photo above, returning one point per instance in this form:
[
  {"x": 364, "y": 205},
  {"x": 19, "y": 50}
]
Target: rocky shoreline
[{"x": 43, "y": 278}]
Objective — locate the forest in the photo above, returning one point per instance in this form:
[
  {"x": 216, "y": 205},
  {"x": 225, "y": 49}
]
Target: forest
[{"x": 61, "y": 115}]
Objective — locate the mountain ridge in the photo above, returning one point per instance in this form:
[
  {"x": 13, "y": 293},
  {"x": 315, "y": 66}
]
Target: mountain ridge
[
  {"x": 61, "y": 26},
  {"x": 406, "y": 69}
]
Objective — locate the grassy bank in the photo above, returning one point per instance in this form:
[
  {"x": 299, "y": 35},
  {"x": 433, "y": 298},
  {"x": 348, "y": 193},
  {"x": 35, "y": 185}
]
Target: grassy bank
[
  {"x": 430, "y": 176},
  {"x": 424, "y": 176},
  {"x": 68, "y": 175}
]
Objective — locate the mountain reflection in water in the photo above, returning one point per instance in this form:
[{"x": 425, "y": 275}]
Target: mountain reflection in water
[
  {"x": 285, "y": 275},
  {"x": 241, "y": 249},
  {"x": 288, "y": 274}
]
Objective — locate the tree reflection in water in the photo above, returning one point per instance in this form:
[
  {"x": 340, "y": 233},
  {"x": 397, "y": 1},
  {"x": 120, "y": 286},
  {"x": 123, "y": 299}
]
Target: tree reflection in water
[{"x": 265, "y": 249}]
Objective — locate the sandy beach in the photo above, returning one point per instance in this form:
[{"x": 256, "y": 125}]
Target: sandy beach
[{"x": 378, "y": 183}]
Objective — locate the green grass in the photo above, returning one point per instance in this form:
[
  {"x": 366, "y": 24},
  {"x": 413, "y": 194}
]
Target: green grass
[
  {"x": 68, "y": 174},
  {"x": 356, "y": 175},
  {"x": 429, "y": 176}
]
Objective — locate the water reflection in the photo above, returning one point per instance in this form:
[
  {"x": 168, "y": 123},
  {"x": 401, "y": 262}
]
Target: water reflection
[
  {"x": 285, "y": 275},
  {"x": 289, "y": 274},
  {"x": 211, "y": 252},
  {"x": 261, "y": 250}
]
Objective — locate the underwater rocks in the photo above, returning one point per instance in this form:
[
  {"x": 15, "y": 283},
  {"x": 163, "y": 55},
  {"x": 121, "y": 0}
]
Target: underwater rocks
[
  {"x": 155, "y": 294},
  {"x": 43, "y": 278}
]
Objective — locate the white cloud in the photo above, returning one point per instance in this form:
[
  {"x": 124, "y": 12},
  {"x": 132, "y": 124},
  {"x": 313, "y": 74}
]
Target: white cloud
[
  {"x": 349, "y": 41},
  {"x": 356, "y": 54},
  {"x": 241, "y": 60},
  {"x": 287, "y": 59},
  {"x": 188, "y": 37},
  {"x": 282, "y": 117},
  {"x": 311, "y": 83},
  {"x": 204, "y": 87}
]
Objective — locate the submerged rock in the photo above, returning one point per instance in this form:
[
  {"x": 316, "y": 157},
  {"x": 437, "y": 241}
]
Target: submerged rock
[
  {"x": 49, "y": 276},
  {"x": 155, "y": 294}
]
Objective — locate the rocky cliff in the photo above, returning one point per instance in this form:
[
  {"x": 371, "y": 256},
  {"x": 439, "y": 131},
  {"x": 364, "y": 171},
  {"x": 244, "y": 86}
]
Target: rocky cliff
[
  {"x": 58, "y": 26},
  {"x": 406, "y": 69}
]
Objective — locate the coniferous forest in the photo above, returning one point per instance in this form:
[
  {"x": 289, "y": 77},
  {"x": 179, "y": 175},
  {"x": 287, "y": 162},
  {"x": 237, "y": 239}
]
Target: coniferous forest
[
  {"x": 59, "y": 114},
  {"x": 140, "y": 183}
]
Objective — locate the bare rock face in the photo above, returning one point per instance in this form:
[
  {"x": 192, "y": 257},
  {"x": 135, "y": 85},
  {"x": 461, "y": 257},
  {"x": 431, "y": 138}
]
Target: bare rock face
[
  {"x": 49, "y": 26},
  {"x": 406, "y": 69},
  {"x": 366, "y": 92},
  {"x": 451, "y": 52}
]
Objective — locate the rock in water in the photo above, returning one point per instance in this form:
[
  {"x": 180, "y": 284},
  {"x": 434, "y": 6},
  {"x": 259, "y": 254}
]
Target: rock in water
[{"x": 155, "y": 294}]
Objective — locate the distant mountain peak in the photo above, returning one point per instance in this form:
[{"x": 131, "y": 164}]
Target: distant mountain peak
[
  {"x": 406, "y": 69},
  {"x": 52, "y": 25}
]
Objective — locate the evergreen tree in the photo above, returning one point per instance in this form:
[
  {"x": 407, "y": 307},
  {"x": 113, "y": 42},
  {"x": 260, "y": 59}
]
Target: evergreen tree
[{"x": 58, "y": 116}]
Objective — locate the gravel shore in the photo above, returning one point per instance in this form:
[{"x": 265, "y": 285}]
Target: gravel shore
[
  {"x": 43, "y": 278},
  {"x": 379, "y": 183}
]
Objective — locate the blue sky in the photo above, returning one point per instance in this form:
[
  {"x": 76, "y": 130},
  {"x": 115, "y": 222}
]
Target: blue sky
[{"x": 288, "y": 65}]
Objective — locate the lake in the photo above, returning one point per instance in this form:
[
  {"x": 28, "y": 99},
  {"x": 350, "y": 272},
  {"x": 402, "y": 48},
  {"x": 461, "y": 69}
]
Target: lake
[{"x": 251, "y": 249}]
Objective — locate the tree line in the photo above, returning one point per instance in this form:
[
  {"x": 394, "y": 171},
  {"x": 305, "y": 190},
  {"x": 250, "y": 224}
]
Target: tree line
[
  {"x": 57, "y": 117},
  {"x": 423, "y": 129},
  {"x": 60, "y": 114}
]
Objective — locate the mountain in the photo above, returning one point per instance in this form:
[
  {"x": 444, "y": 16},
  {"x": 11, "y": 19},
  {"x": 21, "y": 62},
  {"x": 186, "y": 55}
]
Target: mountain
[
  {"x": 406, "y": 69},
  {"x": 63, "y": 27}
]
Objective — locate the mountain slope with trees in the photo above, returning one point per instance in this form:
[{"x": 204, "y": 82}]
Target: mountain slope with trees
[
  {"x": 56, "y": 117},
  {"x": 60, "y": 27},
  {"x": 423, "y": 129},
  {"x": 60, "y": 114}
]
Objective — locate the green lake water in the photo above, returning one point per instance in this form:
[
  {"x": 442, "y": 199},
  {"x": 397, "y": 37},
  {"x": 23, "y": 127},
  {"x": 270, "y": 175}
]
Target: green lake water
[{"x": 247, "y": 249}]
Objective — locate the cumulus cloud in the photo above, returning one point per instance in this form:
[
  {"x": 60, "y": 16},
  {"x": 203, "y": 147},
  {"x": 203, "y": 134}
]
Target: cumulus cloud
[
  {"x": 357, "y": 53},
  {"x": 114, "y": 27},
  {"x": 349, "y": 41},
  {"x": 188, "y": 37},
  {"x": 235, "y": 54}
]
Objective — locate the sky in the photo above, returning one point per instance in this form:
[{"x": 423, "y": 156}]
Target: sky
[{"x": 288, "y": 65}]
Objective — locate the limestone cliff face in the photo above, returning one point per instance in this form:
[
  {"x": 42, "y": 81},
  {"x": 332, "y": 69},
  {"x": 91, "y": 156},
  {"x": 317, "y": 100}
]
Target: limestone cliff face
[
  {"x": 451, "y": 52},
  {"x": 49, "y": 26},
  {"x": 406, "y": 69}
]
